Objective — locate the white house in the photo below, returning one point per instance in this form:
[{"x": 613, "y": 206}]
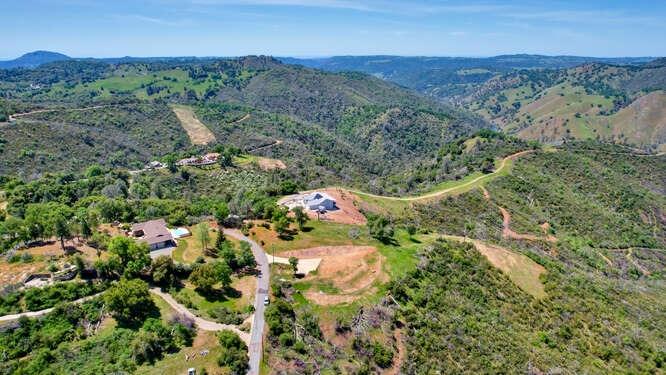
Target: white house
[
  {"x": 315, "y": 201},
  {"x": 319, "y": 202}
]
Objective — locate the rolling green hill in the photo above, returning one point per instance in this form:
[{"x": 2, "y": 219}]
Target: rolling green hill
[
  {"x": 320, "y": 121},
  {"x": 622, "y": 104}
]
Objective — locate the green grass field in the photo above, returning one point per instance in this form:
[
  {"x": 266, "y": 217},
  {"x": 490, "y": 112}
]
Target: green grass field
[{"x": 135, "y": 82}]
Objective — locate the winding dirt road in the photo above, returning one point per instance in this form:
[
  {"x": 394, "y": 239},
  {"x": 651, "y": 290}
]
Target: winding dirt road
[
  {"x": 16, "y": 115},
  {"x": 438, "y": 193}
]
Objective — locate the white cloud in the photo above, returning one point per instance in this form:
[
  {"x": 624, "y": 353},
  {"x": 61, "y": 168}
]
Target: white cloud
[
  {"x": 587, "y": 16},
  {"x": 342, "y": 4},
  {"x": 153, "y": 20}
]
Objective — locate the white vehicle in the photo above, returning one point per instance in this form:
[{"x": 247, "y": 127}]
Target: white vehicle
[{"x": 266, "y": 300}]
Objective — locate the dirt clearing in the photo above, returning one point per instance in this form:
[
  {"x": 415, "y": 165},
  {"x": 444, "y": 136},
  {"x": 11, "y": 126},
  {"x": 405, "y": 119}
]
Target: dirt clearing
[
  {"x": 199, "y": 134},
  {"x": 350, "y": 270},
  {"x": 269, "y": 164}
]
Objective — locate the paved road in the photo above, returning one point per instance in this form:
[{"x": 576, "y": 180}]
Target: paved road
[
  {"x": 257, "y": 332},
  {"x": 33, "y": 314},
  {"x": 201, "y": 323}
]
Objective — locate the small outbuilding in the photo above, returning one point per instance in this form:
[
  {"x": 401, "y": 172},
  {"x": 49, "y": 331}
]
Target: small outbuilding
[{"x": 153, "y": 232}]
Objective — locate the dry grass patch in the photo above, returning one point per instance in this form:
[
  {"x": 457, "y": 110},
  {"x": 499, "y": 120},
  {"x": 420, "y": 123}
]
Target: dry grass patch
[
  {"x": 13, "y": 273},
  {"x": 247, "y": 285},
  {"x": 269, "y": 164},
  {"x": 198, "y": 132},
  {"x": 264, "y": 163},
  {"x": 523, "y": 271},
  {"x": 318, "y": 233},
  {"x": 176, "y": 364}
]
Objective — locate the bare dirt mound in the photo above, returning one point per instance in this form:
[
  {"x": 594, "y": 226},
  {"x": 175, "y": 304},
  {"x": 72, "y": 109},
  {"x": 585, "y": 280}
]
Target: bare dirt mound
[
  {"x": 350, "y": 269},
  {"x": 198, "y": 132},
  {"x": 327, "y": 251}
]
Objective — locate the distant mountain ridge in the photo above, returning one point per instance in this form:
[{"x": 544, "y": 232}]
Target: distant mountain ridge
[
  {"x": 611, "y": 103},
  {"x": 341, "y": 126},
  {"x": 449, "y": 77},
  {"x": 33, "y": 59}
]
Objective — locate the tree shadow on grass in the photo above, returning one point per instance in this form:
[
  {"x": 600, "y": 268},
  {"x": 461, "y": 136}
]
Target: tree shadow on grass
[
  {"x": 388, "y": 241},
  {"x": 288, "y": 235},
  {"x": 219, "y": 295}
]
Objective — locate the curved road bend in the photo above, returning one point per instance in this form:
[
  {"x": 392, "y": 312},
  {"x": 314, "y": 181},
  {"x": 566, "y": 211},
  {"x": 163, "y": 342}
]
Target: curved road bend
[
  {"x": 263, "y": 279},
  {"x": 200, "y": 322},
  {"x": 437, "y": 193}
]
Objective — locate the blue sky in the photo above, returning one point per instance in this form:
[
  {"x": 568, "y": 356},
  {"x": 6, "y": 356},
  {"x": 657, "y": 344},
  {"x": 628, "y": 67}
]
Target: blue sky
[{"x": 333, "y": 27}]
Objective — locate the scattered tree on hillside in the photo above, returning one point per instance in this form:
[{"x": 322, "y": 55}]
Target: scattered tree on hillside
[
  {"x": 201, "y": 233},
  {"x": 129, "y": 301},
  {"x": 301, "y": 217},
  {"x": 61, "y": 225},
  {"x": 234, "y": 352},
  {"x": 162, "y": 271},
  {"x": 83, "y": 223},
  {"x": 220, "y": 239},
  {"x": 246, "y": 257},
  {"x": 411, "y": 230},
  {"x": 128, "y": 257},
  {"x": 228, "y": 253},
  {"x": 170, "y": 161},
  {"x": 221, "y": 213},
  {"x": 380, "y": 228},
  {"x": 205, "y": 276},
  {"x": 293, "y": 262},
  {"x": 281, "y": 226}
]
